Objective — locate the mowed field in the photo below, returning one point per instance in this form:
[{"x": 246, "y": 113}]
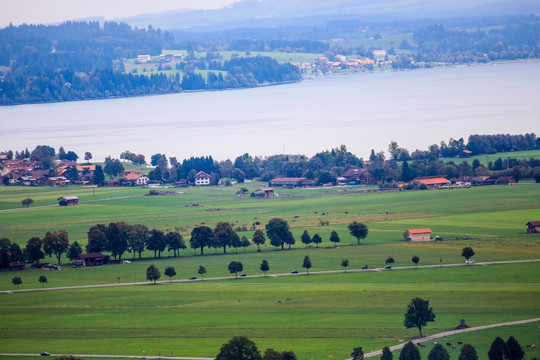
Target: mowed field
[{"x": 327, "y": 315}]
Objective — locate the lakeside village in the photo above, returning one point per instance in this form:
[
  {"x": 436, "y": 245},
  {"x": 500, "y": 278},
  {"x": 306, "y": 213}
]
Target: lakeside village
[{"x": 26, "y": 172}]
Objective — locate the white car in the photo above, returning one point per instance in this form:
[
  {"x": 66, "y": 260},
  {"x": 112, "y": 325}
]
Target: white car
[{"x": 470, "y": 261}]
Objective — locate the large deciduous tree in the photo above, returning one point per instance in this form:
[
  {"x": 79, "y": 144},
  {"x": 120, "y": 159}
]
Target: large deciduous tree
[
  {"x": 175, "y": 241},
  {"x": 117, "y": 238},
  {"x": 201, "y": 236},
  {"x": 239, "y": 348},
  {"x": 418, "y": 314},
  {"x": 156, "y": 242},
  {"x": 358, "y": 230},
  {"x": 56, "y": 243},
  {"x": 278, "y": 232},
  {"x": 137, "y": 238}
]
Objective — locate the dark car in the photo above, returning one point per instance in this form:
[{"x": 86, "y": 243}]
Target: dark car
[
  {"x": 365, "y": 267},
  {"x": 294, "y": 272},
  {"x": 193, "y": 278},
  {"x": 388, "y": 267},
  {"x": 45, "y": 354},
  {"x": 243, "y": 275}
]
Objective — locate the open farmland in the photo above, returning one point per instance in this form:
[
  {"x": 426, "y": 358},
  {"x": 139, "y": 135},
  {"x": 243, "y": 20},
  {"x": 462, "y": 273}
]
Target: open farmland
[{"x": 328, "y": 314}]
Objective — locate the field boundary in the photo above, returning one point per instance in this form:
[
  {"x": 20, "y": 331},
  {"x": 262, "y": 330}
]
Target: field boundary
[{"x": 165, "y": 282}]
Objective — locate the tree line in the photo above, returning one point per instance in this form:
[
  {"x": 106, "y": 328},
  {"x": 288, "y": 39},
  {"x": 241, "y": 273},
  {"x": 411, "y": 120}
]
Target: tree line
[{"x": 119, "y": 238}]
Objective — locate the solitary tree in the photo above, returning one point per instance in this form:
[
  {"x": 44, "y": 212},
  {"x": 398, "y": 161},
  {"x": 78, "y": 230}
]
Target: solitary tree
[
  {"x": 264, "y": 266},
  {"x": 305, "y": 238},
  {"x": 345, "y": 263},
  {"x": 467, "y": 252},
  {"x": 87, "y": 156},
  {"x": 316, "y": 239},
  {"x": 43, "y": 280},
  {"x": 334, "y": 237},
  {"x": 515, "y": 351},
  {"x": 358, "y": 230},
  {"x": 258, "y": 239},
  {"x": 170, "y": 272},
  {"x": 418, "y": 314},
  {"x": 16, "y": 281},
  {"x": 239, "y": 348},
  {"x": 438, "y": 352},
  {"x": 415, "y": 259},
  {"x": 27, "y": 202},
  {"x": 409, "y": 352},
  {"x": 386, "y": 354},
  {"x": 235, "y": 267},
  {"x": 201, "y": 271},
  {"x": 498, "y": 350},
  {"x": 468, "y": 352},
  {"x": 357, "y": 353},
  {"x": 307, "y": 264},
  {"x": 389, "y": 260},
  {"x": 152, "y": 273}
]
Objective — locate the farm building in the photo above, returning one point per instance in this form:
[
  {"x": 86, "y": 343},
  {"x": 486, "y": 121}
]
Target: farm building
[
  {"x": 358, "y": 176},
  {"x": 14, "y": 266},
  {"x": 202, "y": 179},
  {"x": 266, "y": 193},
  {"x": 292, "y": 182},
  {"x": 92, "y": 259},
  {"x": 68, "y": 200},
  {"x": 433, "y": 181},
  {"x": 419, "y": 234},
  {"x": 533, "y": 227}
]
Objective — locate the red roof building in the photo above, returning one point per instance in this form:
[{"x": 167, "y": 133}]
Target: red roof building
[{"x": 419, "y": 234}]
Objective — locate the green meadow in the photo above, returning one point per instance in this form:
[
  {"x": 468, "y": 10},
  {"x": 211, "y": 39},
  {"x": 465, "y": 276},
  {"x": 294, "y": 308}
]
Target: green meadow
[{"x": 328, "y": 314}]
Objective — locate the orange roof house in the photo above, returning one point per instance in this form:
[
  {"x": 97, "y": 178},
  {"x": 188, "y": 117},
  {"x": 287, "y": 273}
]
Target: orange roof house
[
  {"x": 419, "y": 234},
  {"x": 433, "y": 181}
]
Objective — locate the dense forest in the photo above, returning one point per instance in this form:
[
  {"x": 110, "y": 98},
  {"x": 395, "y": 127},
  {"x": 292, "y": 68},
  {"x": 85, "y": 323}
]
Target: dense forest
[{"x": 80, "y": 60}]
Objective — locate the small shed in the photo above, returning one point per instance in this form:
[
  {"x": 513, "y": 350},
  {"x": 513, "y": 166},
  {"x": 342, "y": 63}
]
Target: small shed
[
  {"x": 68, "y": 200},
  {"x": 533, "y": 227},
  {"x": 92, "y": 259},
  {"x": 17, "y": 266},
  {"x": 419, "y": 234},
  {"x": 267, "y": 193}
]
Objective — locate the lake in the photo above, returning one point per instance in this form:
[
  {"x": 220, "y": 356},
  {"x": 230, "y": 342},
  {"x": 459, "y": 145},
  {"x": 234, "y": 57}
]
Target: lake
[{"x": 362, "y": 111}]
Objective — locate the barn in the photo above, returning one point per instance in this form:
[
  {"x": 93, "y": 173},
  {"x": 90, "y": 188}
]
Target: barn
[{"x": 68, "y": 200}]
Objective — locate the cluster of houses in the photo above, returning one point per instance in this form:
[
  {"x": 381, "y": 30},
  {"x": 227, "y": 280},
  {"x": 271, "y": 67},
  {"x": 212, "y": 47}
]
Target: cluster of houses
[{"x": 340, "y": 62}]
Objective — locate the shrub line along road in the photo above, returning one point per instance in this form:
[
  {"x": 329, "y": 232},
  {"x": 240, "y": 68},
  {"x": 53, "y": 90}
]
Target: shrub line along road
[
  {"x": 368, "y": 355},
  {"x": 165, "y": 282}
]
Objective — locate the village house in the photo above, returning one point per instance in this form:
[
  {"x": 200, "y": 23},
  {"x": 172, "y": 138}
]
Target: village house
[
  {"x": 433, "y": 182},
  {"x": 533, "y": 227},
  {"x": 202, "y": 179},
  {"x": 136, "y": 178},
  {"x": 419, "y": 234},
  {"x": 143, "y": 58},
  {"x": 357, "y": 176}
]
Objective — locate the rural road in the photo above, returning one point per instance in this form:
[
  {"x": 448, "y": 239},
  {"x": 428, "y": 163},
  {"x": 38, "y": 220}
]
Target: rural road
[
  {"x": 368, "y": 355},
  {"x": 261, "y": 276}
]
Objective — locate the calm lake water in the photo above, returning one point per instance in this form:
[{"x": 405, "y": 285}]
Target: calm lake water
[{"x": 363, "y": 111}]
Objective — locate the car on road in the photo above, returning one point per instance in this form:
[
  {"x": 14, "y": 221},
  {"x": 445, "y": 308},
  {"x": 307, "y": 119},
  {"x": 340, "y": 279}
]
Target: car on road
[
  {"x": 470, "y": 261},
  {"x": 365, "y": 267},
  {"x": 294, "y": 272},
  {"x": 243, "y": 275},
  {"x": 45, "y": 354},
  {"x": 388, "y": 267},
  {"x": 193, "y": 278}
]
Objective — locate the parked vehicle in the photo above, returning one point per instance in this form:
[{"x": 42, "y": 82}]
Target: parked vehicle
[
  {"x": 193, "y": 278},
  {"x": 470, "y": 261},
  {"x": 388, "y": 267},
  {"x": 365, "y": 267},
  {"x": 243, "y": 275},
  {"x": 45, "y": 354},
  {"x": 294, "y": 272}
]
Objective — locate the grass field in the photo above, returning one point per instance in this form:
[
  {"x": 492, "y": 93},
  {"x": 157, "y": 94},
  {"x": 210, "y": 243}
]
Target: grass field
[
  {"x": 327, "y": 314},
  {"x": 485, "y": 159}
]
